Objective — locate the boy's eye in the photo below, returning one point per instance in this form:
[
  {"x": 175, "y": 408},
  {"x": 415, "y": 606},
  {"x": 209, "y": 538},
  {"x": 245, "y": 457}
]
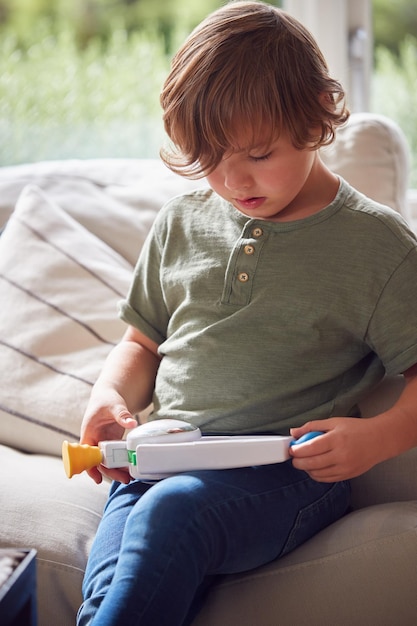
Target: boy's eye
[{"x": 263, "y": 157}]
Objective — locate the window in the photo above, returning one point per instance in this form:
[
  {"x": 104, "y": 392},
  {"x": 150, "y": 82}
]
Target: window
[{"x": 344, "y": 31}]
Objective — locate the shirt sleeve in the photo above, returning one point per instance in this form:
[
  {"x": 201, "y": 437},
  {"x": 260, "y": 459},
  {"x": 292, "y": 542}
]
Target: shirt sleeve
[
  {"x": 145, "y": 307},
  {"x": 392, "y": 331}
]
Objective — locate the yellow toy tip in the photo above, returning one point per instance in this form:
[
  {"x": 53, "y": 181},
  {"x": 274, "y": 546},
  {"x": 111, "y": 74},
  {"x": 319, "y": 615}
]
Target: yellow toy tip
[{"x": 78, "y": 457}]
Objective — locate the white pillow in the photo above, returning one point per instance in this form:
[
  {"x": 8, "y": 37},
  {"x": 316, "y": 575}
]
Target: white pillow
[
  {"x": 59, "y": 288},
  {"x": 372, "y": 153},
  {"x": 116, "y": 199}
]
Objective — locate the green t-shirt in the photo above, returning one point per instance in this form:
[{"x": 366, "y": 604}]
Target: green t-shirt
[{"x": 264, "y": 325}]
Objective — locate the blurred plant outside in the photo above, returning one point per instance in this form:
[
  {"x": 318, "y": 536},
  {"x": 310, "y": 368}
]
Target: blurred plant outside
[
  {"x": 62, "y": 100},
  {"x": 394, "y": 92},
  {"x": 82, "y": 79}
]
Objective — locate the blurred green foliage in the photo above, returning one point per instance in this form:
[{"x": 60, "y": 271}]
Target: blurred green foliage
[
  {"x": 394, "y": 88},
  {"x": 58, "y": 101},
  {"x": 92, "y": 19},
  {"x": 88, "y": 19},
  {"x": 82, "y": 78},
  {"x": 394, "y": 91},
  {"x": 393, "y": 21}
]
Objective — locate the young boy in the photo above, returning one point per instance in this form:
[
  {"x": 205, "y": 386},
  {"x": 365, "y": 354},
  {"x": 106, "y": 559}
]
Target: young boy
[{"x": 269, "y": 303}]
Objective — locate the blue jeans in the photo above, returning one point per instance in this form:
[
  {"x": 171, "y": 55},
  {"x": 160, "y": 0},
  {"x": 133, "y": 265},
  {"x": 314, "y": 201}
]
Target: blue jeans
[{"x": 158, "y": 547}]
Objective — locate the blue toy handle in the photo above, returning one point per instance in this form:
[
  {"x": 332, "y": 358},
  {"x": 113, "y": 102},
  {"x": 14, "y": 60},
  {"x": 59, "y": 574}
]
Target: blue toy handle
[{"x": 306, "y": 437}]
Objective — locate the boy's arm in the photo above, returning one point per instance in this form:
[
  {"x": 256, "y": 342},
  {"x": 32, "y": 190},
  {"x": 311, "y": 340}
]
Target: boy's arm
[
  {"x": 124, "y": 388},
  {"x": 351, "y": 446}
]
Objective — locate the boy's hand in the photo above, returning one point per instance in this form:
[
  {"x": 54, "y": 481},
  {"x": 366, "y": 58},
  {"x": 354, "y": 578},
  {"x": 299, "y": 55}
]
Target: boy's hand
[
  {"x": 126, "y": 382},
  {"x": 106, "y": 419},
  {"x": 348, "y": 448}
]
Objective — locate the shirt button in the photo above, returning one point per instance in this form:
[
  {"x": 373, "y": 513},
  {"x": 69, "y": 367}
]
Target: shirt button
[
  {"x": 249, "y": 249},
  {"x": 257, "y": 232},
  {"x": 243, "y": 277}
]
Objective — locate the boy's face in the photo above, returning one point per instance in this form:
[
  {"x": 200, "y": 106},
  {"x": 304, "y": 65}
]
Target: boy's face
[{"x": 283, "y": 184}]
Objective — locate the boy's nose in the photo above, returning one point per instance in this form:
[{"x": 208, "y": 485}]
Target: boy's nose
[{"x": 236, "y": 179}]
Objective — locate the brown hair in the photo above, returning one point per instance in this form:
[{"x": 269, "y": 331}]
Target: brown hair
[{"x": 247, "y": 65}]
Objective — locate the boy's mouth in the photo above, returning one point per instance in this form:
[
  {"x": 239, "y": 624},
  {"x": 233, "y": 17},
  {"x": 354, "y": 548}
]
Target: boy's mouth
[{"x": 250, "y": 203}]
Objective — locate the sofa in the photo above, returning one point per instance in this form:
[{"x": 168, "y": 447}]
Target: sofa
[{"x": 72, "y": 231}]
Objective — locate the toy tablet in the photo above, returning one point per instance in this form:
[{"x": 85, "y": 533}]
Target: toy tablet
[{"x": 158, "y": 449}]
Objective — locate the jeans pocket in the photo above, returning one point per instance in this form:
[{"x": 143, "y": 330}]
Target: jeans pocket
[{"x": 331, "y": 506}]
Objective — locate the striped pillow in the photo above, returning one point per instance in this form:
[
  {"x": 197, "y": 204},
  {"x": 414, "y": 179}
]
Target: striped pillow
[{"x": 59, "y": 287}]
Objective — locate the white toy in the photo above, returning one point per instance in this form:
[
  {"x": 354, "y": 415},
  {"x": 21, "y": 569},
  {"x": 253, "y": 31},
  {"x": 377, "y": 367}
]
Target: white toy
[{"x": 160, "y": 448}]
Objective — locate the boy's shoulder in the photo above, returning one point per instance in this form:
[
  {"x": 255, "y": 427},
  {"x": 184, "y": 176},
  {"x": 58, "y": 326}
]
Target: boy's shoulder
[
  {"x": 199, "y": 204},
  {"x": 196, "y": 209},
  {"x": 374, "y": 215},
  {"x": 193, "y": 198}
]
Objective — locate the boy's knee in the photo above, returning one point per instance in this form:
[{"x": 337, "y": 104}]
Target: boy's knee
[{"x": 180, "y": 496}]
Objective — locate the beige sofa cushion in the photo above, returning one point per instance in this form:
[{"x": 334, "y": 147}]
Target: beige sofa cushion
[
  {"x": 115, "y": 199},
  {"x": 42, "y": 509}
]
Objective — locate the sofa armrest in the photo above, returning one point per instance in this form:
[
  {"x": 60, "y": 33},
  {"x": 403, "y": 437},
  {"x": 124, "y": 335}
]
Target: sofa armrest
[{"x": 394, "y": 480}]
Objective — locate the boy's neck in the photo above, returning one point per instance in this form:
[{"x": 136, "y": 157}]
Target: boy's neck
[{"x": 319, "y": 190}]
